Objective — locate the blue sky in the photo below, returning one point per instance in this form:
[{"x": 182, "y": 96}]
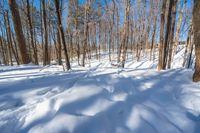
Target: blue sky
[{"x": 37, "y": 5}]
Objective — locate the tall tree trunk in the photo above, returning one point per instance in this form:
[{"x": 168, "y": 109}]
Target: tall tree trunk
[
  {"x": 196, "y": 24},
  {"x": 125, "y": 34},
  {"x": 60, "y": 27},
  {"x": 19, "y": 33},
  {"x": 31, "y": 33},
  {"x": 162, "y": 26},
  {"x": 59, "y": 48},
  {"x": 41, "y": 31},
  {"x": 3, "y": 51},
  {"x": 10, "y": 39},
  {"x": 85, "y": 32},
  {"x": 167, "y": 35},
  {"x": 171, "y": 37},
  {"x": 46, "y": 60},
  {"x": 15, "y": 48}
]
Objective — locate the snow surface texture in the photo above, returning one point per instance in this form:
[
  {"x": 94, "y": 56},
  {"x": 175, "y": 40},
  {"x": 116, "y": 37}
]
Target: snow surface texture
[{"x": 98, "y": 99}]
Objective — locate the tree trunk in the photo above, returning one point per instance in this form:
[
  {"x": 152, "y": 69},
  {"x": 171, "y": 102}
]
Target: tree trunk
[
  {"x": 46, "y": 60},
  {"x": 125, "y": 34},
  {"x": 171, "y": 37},
  {"x": 60, "y": 27},
  {"x": 85, "y": 42},
  {"x": 196, "y": 24},
  {"x": 10, "y": 39},
  {"x": 153, "y": 36},
  {"x": 19, "y": 33},
  {"x": 167, "y": 35},
  {"x": 3, "y": 51},
  {"x": 162, "y": 26},
  {"x": 59, "y": 48},
  {"x": 31, "y": 33}
]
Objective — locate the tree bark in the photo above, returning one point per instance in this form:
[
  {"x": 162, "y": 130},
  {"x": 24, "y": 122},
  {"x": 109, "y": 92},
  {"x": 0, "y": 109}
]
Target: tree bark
[
  {"x": 167, "y": 35},
  {"x": 171, "y": 36},
  {"x": 46, "y": 60},
  {"x": 60, "y": 27},
  {"x": 31, "y": 33},
  {"x": 3, "y": 51},
  {"x": 125, "y": 34},
  {"x": 18, "y": 30},
  {"x": 162, "y": 25},
  {"x": 196, "y": 24},
  {"x": 10, "y": 39}
]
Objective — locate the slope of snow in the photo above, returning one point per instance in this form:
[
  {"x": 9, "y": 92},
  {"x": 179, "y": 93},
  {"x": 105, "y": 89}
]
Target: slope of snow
[{"x": 98, "y": 99}]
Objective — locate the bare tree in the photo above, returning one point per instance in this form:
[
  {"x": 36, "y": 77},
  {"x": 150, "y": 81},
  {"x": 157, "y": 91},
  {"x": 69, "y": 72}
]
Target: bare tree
[
  {"x": 46, "y": 60},
  {"x": 60, "y": 27},
  {"x": 31, "y": 33},
  {"x": 126, "y": 31},
  {"x": 18, "y": 30}
]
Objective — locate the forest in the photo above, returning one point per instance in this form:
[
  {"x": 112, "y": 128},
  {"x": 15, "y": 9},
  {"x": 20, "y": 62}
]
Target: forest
[{"x": 104, "y": 66}]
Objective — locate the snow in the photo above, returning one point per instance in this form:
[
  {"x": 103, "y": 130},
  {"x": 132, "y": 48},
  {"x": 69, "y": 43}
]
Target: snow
[{"x": 100, "y": 98}]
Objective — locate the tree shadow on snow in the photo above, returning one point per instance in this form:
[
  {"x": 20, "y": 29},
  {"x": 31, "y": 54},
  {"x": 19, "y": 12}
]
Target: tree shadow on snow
[{"x": 149, "y": 104}]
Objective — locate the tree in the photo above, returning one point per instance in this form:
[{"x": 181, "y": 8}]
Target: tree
[
  {"x": 18, "y": 30},
  {"x": 196, "y": 24},
  {"x": 31, "y": 33},
  {"x": 162, "y": 26},
  {"x": 60, "y": 27},
  {"x": 85, "y": 43},
  {"x": 125, "y": 32},
  {"x": 46, "y": 53},
  {"x": 171, "y": 36},
  {"x": 167, "y": 34}
]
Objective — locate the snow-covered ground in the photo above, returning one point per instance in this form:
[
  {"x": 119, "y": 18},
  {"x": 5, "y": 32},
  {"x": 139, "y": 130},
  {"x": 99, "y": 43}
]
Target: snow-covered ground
[{"x": 99, "y": 99}]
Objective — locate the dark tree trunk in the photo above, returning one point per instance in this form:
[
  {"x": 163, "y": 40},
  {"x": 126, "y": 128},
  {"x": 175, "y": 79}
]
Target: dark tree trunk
[
  {"x": 31, "y": 33},
  {"x": 46, "y": 60},
  {"x": 167, "y": 35},
  {"x": 171, "y": 37},
  {"x": 62, "y": 33},
  {"x": 196, "y": 24},
  {"x": 59, "y": 48},
  {"x": 162, "y": 26},
  {"x": 10, "y": 40},
  {"x": 18, "y": 30}
]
